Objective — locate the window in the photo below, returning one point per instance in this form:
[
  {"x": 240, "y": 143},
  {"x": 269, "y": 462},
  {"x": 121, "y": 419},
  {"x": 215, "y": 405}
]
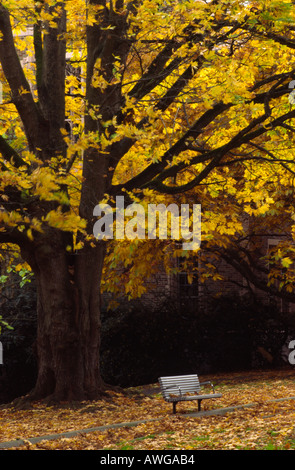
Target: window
[{"x": 188, "y": 287}]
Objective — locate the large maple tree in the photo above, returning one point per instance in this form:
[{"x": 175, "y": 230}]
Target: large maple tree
[{"x": 162, "y": 99}]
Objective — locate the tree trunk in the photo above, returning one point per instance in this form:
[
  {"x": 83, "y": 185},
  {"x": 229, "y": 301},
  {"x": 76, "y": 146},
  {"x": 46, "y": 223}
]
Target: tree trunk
[{"x": 68, "y": 307}]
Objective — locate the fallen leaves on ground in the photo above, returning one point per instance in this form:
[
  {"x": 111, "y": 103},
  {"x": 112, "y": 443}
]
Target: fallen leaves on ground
[{"x": 265, "y": 425}]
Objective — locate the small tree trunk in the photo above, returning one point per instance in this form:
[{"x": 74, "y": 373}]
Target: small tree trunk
[{"x": 68, "y": 337}]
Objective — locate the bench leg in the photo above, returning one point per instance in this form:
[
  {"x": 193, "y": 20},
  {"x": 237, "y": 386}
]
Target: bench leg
[
  {"x": 199, "y": 405},
  {"x": 174, "y": 406}
]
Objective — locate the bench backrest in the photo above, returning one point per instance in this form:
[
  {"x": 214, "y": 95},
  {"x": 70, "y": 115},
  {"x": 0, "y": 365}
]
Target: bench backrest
[{"x": 186, "y": 383}]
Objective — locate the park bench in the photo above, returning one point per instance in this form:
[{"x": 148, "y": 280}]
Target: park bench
[{"x": 184, "y": 388}]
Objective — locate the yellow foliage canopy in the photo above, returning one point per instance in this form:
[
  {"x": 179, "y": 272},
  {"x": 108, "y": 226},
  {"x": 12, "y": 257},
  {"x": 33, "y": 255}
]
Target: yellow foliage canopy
[{"x": 182, "y": 100}]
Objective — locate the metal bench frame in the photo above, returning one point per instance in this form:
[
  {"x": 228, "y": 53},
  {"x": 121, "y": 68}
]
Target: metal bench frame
[{"x": 185, "y": 388}]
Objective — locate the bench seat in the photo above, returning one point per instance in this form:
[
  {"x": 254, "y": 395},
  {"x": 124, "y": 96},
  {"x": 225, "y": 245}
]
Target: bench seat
[{"x": 178, "y": 388}]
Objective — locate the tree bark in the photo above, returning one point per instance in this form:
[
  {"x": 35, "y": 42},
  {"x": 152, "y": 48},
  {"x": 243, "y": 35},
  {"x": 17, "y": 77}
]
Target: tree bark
[{"x": 68, "y": 307}]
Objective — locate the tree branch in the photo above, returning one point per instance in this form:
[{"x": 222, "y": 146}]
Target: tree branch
[
  {"x": 154, "y": 169},
  {"x": 51, "y": 70},
  {"x": 216, "y": 155},
  {"x": 20, "y": 89},
  {"x": 10, "y": 154},
  {"x": 250, "y": 271}
]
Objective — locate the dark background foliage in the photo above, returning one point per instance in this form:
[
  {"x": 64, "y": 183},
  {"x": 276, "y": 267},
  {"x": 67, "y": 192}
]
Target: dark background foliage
[{"x": 140, "y": 344}]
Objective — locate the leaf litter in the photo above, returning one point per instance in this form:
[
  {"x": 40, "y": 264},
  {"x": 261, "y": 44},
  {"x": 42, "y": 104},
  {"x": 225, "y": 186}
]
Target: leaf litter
[{"x": 267, "y": 424}]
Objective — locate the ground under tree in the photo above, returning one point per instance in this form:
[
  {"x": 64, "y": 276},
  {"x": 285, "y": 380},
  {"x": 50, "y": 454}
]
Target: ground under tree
[{"x": 147, "y": 91}]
